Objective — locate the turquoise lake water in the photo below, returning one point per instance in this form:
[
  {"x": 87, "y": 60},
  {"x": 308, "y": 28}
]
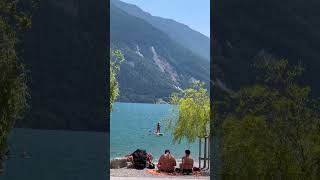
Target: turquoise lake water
[
  {"x": 130, "y": 125},
  {"x": 56, "y": 155},
  {"x": 70, "y": 155}
]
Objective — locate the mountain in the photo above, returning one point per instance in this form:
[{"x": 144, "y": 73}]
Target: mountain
[
  {"x": 247, "y": 30},
  {"x": 180, "y": 33},
  {"x": 155, "y": 65},
  {"x": 65, "y": 55}
]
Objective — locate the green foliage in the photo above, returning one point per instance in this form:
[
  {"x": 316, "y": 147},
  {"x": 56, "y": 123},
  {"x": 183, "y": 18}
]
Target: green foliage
[
  {"x": 13, "y": 88},
  {"x": 273, "y": 131},
  {"x": 282, "y": 32},
  {"x": 116, "y": 59},
  {"x": 193, "y": 108},
  {"x": 66, "y": 61}
]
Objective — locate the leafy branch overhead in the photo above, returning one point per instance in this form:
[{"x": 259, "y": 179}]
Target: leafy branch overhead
[
  {"x": 116, "y": 60},
  {"x": 193, "y": 108},
  {"x": 272, "y": 129},
  {"x": 13, "y": 79}
]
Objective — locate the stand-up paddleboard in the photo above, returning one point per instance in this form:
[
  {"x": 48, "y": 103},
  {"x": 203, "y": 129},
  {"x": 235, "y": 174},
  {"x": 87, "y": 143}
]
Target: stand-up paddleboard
[
  {"x": 155, "y": 133},
  {"x": 158, "y": 134}
]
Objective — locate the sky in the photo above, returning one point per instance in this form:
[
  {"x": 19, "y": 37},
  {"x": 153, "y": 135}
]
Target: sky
[{"x": 194, "y": 13}]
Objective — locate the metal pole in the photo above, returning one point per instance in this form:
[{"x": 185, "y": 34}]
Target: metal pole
[
  {"x": 199, "y": 152},
  {"x": 209, "y": 153},
  {"x": 205, "y": 153}
]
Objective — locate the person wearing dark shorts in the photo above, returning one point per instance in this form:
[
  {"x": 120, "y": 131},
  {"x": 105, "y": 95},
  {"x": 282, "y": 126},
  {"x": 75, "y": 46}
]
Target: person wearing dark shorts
[{"x": 187, "y": 163}]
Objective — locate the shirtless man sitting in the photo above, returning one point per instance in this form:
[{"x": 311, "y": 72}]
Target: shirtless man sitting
[
  {"x": 167, "y": 162},
  {"x": 187, "y": 163}
]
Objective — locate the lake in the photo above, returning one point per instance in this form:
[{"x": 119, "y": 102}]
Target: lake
[
  {"x": 130, "y": 125},
  {"x": 77, "y": 155},
  {"x": 63, "y": 155}
]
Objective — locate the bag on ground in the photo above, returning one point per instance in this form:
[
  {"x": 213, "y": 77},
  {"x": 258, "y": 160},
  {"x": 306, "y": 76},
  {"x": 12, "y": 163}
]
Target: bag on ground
[{"x": 139, "y": 159}]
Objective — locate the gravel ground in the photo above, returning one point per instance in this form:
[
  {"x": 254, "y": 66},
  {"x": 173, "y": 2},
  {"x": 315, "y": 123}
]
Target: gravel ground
[
  {"x": 133, "y": 174},
  {"x": 129, "y": 173},
  {"x": 156, "y": 178}
]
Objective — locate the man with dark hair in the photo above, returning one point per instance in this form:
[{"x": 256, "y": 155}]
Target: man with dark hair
[
  {"x": 187, "y": 152},
  {"x": 167, "y": 162},
  {"x": 187, "y": 163}
]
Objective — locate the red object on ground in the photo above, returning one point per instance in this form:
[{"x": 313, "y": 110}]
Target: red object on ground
[
  {"x": 157, "y": 172},
  {"x": 160, "y": 173}
]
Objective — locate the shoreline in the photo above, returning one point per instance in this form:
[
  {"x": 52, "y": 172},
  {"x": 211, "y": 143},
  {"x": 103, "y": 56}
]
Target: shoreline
[
  {"x": 158, "y": 178},
  {"x": 134, "y": 173},
  {"x": 125, "y": 173}
]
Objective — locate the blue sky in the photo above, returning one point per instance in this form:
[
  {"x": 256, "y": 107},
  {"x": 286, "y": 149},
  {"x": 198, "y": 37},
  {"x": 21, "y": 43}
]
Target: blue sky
[{"x": 194, "y": 13}]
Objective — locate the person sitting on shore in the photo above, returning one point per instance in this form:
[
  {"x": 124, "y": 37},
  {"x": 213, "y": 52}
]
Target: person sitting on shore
[
  {"x": 167, "y": 162},
  {"x": 187, "y": 163},
  {"x": 149, "y": 159}
]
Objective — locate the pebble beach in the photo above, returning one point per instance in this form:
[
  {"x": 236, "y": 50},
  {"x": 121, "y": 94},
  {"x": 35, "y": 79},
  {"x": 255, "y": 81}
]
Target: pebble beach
[{"x": 125, "y": 173}]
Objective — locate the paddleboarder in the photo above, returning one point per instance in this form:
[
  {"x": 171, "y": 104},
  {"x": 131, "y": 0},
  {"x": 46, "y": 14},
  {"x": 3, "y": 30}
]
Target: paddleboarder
[{"x": 158, "y": 128}]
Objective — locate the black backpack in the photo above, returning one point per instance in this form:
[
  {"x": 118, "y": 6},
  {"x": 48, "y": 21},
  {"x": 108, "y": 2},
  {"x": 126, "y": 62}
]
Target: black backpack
[
  {"x": 151, "y": 166},
  {"x": 139, "y": 159}
]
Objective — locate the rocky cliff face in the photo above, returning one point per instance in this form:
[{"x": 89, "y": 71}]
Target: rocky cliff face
[
  {"x": 194, "y": 41},
  {"x": 156, "y": 65}
]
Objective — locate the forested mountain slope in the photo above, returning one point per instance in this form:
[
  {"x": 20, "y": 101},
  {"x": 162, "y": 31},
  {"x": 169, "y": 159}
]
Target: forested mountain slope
[
  {"x": 180, "y": 33},
  {"x": 155, "y": 65},
  {"x": 247, "y": 30}
]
